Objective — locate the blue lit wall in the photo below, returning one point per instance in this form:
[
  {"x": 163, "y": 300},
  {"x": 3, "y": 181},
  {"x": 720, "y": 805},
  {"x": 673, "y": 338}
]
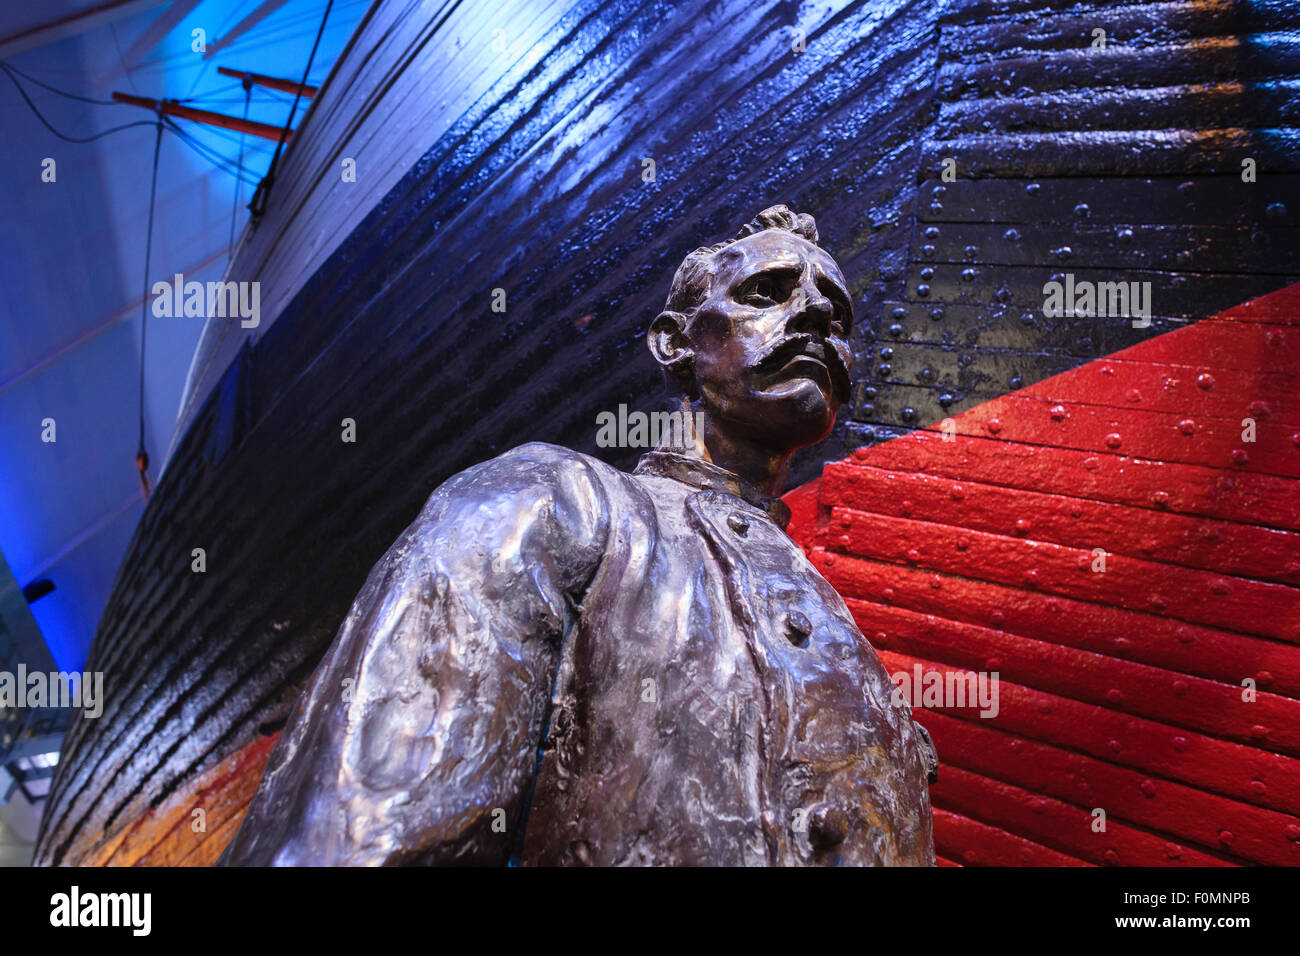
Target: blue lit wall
[{"x": 71, "y": 261}]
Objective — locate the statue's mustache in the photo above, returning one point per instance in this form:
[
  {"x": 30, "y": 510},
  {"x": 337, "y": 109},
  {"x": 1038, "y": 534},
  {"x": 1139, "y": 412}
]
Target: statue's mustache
[{"x": 803, "y": 344}]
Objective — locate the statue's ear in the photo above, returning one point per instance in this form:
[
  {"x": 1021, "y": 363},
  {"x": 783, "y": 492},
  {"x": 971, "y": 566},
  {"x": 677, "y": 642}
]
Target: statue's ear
[{"x": 669, "y": 345}]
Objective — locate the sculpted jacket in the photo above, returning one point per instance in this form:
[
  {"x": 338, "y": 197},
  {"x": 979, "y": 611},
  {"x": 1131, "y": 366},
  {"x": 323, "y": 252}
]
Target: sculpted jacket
[{"x": 562, "y": 663}]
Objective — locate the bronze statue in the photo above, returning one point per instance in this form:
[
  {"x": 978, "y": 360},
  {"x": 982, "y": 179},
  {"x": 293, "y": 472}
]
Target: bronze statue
[{"x": 562, "y": 663}]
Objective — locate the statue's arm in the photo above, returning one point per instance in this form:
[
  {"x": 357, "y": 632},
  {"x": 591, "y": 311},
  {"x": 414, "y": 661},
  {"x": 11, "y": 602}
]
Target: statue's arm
[{"x": 416, "y": 740}]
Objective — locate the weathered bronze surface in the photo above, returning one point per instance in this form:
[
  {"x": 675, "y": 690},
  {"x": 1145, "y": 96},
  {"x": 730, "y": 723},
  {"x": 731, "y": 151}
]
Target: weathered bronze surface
[{"x": 562, "y": 663}]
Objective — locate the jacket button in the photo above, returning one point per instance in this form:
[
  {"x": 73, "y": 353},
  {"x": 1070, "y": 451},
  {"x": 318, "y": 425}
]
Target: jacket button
[
  {"x": 738, "y": 524},
  {"x": 798, "y": 627},
  {"x": 827, "y": 827}
]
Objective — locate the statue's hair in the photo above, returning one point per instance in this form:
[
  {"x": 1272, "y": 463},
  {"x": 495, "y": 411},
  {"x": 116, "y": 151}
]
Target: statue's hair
[{"x": 691, "y": 281}]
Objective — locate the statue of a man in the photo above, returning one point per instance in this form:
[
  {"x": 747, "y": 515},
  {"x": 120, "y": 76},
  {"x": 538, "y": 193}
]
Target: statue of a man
[{"x": 563, "y": 663}]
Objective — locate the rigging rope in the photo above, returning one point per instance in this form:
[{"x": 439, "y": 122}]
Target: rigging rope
[
  {"x": 54, "y": 89},
  {"x": 207, "y": 152},
  {"x": 239, "y": 182},
  {"x": 141, "y": 455},
  {"x": 10, "y": 71},
  {"x": 258, "y": 204}
]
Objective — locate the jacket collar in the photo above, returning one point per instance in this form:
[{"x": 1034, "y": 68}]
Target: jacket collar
[{"x": 705, "y": 475}]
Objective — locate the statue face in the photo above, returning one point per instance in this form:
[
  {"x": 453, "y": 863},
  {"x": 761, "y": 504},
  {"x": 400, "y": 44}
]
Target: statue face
[{"x": 770, "y": 342}]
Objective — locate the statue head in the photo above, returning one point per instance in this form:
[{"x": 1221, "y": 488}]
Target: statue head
[{"x": 755, "y": 333}]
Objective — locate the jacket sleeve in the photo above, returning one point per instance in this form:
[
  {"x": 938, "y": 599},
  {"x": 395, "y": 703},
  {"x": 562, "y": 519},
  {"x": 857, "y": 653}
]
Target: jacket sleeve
[{"x": 417, "y": 738}]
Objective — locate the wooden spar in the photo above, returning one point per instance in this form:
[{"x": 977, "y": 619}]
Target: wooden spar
[
  {"x": 274, "y": 82},
  {"x": 253, "y": 128}
]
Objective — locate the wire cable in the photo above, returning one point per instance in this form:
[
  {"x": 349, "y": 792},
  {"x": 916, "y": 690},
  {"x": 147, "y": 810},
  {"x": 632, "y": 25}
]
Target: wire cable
[
  {"x": 203, "y": 149},
  {"x": 239, "y": 185},
  {"x": 214, "y": 158},
  {"x": 264, "y": 96},
  {"x": 141, "y": 455},
  {"x": 54, "y": 89},
  {"x": 208, "y": 153},
  {"x": 9, "y": 72},
  {"x": 121, "y": 58},
  {"x": 258, "y": 204}
]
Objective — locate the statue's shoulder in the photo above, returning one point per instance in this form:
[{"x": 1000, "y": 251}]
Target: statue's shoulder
[
  {"x": 555, "y": 456},
  {"x": 534, "y": 470},
  {"x": 544, "y": 458},
  {"x": 536, "y": 481}
]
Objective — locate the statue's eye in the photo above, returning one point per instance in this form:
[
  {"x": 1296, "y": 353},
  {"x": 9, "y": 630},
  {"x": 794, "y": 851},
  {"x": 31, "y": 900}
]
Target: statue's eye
[{"x": 762, "y": 292}]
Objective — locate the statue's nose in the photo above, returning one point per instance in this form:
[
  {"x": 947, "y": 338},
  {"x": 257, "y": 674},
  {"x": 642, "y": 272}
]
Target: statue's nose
[{"x": 813, "y": 312}]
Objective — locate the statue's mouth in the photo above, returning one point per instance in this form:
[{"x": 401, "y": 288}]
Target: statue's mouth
[
  {"x": 805, "y": 356},
  {"x": 805, "y": 350}
]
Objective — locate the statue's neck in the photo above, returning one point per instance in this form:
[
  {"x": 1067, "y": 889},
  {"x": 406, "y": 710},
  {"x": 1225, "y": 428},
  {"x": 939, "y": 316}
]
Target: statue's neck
[{"x": 756, "y": 464}]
